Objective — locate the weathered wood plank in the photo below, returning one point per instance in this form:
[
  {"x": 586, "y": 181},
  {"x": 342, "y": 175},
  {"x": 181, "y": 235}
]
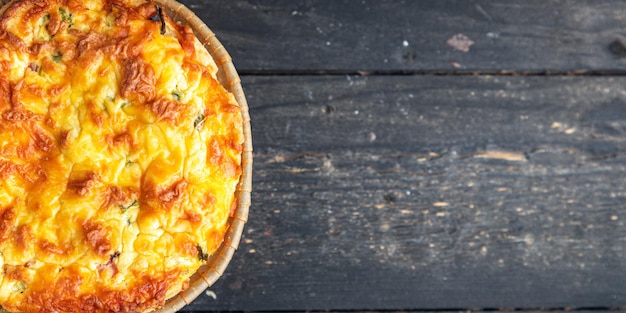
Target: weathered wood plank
[
  {"x": 386, "y": 193},
  {"x": 399, "y": 35}
]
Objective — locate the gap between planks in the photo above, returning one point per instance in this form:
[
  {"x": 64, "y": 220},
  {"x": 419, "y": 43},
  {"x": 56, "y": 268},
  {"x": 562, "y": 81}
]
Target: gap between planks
[{"x": 431, "y": 73}]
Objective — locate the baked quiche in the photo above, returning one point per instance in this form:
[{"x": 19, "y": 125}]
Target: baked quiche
[{"x": 120, "y": 155}]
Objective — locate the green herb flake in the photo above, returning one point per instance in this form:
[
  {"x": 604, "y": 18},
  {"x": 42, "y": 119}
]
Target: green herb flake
[
  {"x": 124, "y": 104},
  {"x": 199, "y": 121},
  {"x": 177, "y": 95},
  {"x": 125, "y": 208},
  {"x": 202, "y": 256},
  {"x": 66, "y": 16},
  {"x": 57, "y": 57}
]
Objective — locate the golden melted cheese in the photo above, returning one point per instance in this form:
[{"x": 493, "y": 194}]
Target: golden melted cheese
[{"x": 120, "y": 153}]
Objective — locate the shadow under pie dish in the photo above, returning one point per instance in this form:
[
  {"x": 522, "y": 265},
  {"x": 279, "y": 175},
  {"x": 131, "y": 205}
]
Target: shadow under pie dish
[{"x": 125, "y": 156}]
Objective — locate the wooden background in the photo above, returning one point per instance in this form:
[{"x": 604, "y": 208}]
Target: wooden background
[{"x": 398, "y": 170}]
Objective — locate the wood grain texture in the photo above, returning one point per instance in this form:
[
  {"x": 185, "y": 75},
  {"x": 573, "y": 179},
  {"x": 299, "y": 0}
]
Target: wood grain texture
[
  {"x": 413, "y": 192},
  {"x": 398, "y": 35}
]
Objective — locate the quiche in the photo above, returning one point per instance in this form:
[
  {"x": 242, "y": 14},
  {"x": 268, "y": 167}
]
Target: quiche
[{"x": 120, "y": 155}]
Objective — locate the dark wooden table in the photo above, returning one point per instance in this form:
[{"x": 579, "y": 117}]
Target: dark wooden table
[{"x": 429, "y": 155}]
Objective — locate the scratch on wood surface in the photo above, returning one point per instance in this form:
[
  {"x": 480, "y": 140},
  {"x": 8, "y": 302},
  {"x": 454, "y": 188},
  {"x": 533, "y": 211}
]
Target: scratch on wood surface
[
  {"x": 501, "y": 155},
  {"x": 484, "y": 13}
]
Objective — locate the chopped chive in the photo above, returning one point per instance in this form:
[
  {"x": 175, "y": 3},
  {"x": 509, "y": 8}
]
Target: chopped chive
[
  {"x": 125, "y": 208},
  {"x": 57, "y": 57},
  {"x": 124, "y": 104},
  {"x": 115, "y": 255},
  {"x": 160, "y": 9},
  {"x": 177, "y": 95},
  {"x": 199, "y": 121},
  {"x": 202, "y": 256},
  {"x": 34, "y": 67},
  {"x": 159, "y": 18}
]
